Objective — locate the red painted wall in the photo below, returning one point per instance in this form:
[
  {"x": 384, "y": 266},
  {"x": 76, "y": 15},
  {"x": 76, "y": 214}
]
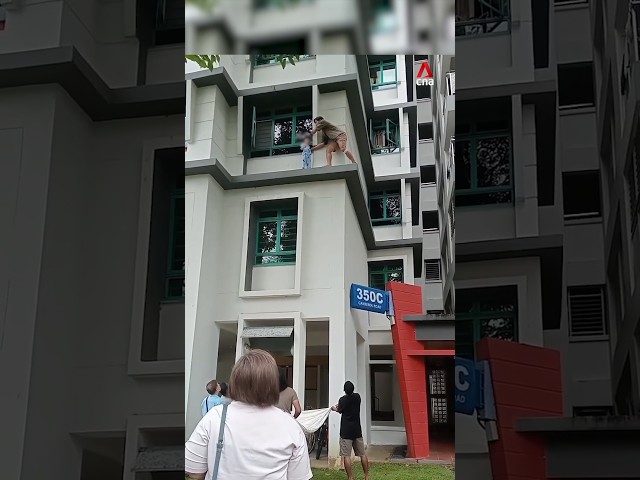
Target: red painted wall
[
  {"x": 527, "y": 382},
  {"x": 407, "y": 300}
]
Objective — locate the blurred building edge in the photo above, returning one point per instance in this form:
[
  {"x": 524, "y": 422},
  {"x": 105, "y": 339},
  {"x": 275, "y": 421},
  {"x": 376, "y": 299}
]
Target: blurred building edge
[
  {"x": 295, "y": 240},
  {"x": 546, "y": 198},
  {"x": 91, "y": 142},
  {"x": 321, "y": 27}
]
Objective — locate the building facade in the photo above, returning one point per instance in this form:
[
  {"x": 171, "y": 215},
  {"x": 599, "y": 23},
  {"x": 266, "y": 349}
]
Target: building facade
[
  {"x": 531, "y": 199},
  {"x": 273, "y": 249},
  {"x": 92, "y": 148}
]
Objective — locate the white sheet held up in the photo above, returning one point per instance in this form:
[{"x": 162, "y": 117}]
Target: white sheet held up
[{"x": 312, "y": 420}]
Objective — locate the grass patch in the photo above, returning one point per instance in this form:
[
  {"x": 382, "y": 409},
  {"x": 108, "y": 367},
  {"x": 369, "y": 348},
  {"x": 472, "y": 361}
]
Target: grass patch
[{"x": 390, "y": 471}]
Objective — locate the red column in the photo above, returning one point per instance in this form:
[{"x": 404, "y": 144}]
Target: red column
[
  {"x": 407, "y": 300},
  {"x": 527, "y": 382}
]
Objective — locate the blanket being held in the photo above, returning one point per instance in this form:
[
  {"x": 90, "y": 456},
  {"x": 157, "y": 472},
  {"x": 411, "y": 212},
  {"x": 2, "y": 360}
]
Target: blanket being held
[{"x": 312, "y": 420}]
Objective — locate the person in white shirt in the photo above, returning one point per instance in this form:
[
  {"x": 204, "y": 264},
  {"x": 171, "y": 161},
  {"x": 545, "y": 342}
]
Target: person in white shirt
[{"x": 261, "y": 442}]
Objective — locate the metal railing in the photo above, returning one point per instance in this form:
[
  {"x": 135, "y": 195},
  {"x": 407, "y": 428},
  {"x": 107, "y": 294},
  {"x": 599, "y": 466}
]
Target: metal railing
[{"x": 482, "y": 17}]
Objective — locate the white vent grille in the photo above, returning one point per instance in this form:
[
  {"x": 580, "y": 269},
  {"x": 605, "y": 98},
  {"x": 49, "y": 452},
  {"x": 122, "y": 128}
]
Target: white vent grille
[
  {"x": 586, "y": 312},
  {"x": 432, "y": 271}
]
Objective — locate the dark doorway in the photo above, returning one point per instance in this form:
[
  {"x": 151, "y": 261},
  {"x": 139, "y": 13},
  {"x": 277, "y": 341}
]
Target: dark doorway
[{"x": 440, "y": 391}]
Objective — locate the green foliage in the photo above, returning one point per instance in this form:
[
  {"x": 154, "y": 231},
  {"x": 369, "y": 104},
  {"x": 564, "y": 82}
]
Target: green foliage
[{"x": 208, "y": 61}]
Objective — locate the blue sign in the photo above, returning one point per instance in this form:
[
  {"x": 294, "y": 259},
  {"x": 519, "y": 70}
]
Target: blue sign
[
  {"x": 468, "y": 386},
  {"x": 370, "y": 299}
]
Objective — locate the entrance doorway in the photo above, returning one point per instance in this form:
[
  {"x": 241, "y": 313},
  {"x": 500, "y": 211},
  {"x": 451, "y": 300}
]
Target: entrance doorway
[{"x": 440, "y": 398}]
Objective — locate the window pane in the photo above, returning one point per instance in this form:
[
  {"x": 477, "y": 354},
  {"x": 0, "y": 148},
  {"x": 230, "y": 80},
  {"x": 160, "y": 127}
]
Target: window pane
[
  {"x": 178, "y": 250},
  {"x": 395, "y": 276},
  {"x": 375, "y": 75},
  {"x": 175, "y": 287},
  {"x": 388, "y": 73},
  {"x": 575, "y": 84},
  {"x": 268, "y": 214},
  {"x": 376, "y": 280},
  {"x": 376, "y": 205},
  {"x": 267, "y": 236},
  {"x": 464, "y": 339},
  {"x": 304, "y": 124},
  {"x": 581, "y": 193},
  {"x": 263, "y": 135},
  {"x": 393, "y": 207},
  {"x": 288, "y": 235},
  {"x": 282, "y": 131},
  {"x": 493, "y": 162},
  {"x": 463, "y": 164},
  {"x": 501, "y": 327}
]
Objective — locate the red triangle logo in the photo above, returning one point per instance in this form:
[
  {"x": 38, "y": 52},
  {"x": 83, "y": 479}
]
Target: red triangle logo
[{"x": 425, "y": 66}]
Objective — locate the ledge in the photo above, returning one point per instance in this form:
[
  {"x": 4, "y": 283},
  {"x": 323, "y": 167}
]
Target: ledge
[
  {"x": 584, "y": 425},
  {"x": 68, "y": 68}
]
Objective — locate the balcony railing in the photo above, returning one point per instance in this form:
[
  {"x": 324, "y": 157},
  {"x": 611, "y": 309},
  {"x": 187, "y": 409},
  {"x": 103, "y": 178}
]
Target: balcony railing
[
  {"x": 480, "y": 17},
  {"x": 451, "y": 83}
]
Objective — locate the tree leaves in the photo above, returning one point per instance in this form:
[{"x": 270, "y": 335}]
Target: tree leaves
[{"x": 208, "y": 61}]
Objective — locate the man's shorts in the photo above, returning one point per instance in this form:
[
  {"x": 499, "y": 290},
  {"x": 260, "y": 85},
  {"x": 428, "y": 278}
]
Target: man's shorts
[{"x": 358, "y": 447}]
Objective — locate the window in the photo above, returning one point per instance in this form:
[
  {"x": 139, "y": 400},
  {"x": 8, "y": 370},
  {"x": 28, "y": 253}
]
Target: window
[
  {"x": 581, "y": 194},
  {"x": 384, "y": 136},
  {"x": 383, "y": 73},
  {"x": 483, "y": 163},
  {"x": 586, "y": 312},
  {"x": 262, "y": 4},
  {"x": 632, "y": 176},
  {"x": 430, "y": 221},
  {"x": 423, "y": 92},
  {"x": 575, "y": 85},
  {"x": 432, "y": 271},
  {"x": 425, "y": 131},
  {"x": 277, "y": 232},
  {"x": 175, "y": 284},
  {"x": 385, "y": 208},
  {"x": 271, "y": 58},
  {"x": 381, "y": 273},
  {"x": 428, "y": 174},
  {"x": 169, "y": 22},
  {"x": 274, "y": 131},
  {"x": 485, "y": 312},
  {"x": 480, "y": 17}
]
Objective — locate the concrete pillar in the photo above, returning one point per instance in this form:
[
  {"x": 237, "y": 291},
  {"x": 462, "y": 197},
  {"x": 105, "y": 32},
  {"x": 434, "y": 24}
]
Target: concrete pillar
[
  {"x": 337, "y": 377},
  {"x": 239, "y": 339},
  {"x": 299, "y": 357}
]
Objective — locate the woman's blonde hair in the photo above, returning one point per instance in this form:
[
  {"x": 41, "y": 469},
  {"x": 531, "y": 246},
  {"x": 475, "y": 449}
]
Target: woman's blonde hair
[{"x": 255, "y": 379}]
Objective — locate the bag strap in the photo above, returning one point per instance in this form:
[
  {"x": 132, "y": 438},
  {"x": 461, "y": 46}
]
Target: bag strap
[{"x": 214, "y": 476}]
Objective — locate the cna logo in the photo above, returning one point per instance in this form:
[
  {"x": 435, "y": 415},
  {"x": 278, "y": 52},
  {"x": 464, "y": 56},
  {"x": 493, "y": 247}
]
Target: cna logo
[{"x": 425, "y": 76}]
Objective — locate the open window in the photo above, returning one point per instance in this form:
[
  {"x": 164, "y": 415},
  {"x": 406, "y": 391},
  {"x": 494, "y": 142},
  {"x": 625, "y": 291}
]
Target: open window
[
  {"x": 384, "y": 132},
  {"x": 481, "y": 17},
  {"x": 383, "y": 71},
  {"x": 385, "y": 207},
  {"x": 169, "y": 27},
  {"x": 276, "y": 122}
]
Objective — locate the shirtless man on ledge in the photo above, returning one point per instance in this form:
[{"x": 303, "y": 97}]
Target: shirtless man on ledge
[{"x": 334, "y": 138}]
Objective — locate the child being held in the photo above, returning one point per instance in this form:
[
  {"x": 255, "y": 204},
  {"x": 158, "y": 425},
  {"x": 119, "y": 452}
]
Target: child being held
[{"x": 307, "y": 152}]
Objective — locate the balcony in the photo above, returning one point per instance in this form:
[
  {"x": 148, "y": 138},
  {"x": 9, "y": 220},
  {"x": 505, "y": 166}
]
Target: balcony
[{"x": 482, "y": 17}]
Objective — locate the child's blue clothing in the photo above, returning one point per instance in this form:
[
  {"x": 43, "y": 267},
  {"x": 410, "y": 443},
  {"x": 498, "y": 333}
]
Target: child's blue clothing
[{"x": 307, "y": 156}]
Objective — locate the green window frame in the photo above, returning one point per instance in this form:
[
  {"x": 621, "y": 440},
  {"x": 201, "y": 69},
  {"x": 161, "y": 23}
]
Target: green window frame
[
  {"x": 469, "y": 147},
  {"x": 175, "y": 276},
  {"x": 391, "y": 207},
  {"x": 391, "y": 134},
  {"x": 382, "y": 273},
  {"x": 488, "y": 16},
  {"x": 377, "y": 75},
  {"x": 485, "y": 312},
  {"x": 276, "y": 236},
  {"x": 265, "y": 144}
]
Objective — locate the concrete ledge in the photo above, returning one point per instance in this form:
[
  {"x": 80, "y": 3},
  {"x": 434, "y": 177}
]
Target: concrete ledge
[{"x": 68, "y": 68}]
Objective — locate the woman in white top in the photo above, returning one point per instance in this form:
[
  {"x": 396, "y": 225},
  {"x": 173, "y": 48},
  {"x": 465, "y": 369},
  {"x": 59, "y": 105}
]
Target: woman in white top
[{"x": 261, "y": 442}]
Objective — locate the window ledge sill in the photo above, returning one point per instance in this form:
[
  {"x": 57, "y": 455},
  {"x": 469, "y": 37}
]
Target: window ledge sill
[
  {"x": 582, "y": 221},
  {"x": 576, "y": 110},
  {"x": 156, "y": 368},
  {"x": 589, "y": 338},
  {"x": 293, "y": 292}
]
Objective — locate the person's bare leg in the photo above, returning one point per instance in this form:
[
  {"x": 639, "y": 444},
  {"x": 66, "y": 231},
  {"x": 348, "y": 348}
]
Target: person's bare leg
[
  {"x": 330, "y": 149},
  {"x": 350, "y": 156},
  {"x": 348, "y": 466},
  {"x": 365, "y": 466}
]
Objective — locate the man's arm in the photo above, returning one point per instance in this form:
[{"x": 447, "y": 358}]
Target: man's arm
[
  {"x": 195, "y": 476},
  {"x": 318, "y": 147}
]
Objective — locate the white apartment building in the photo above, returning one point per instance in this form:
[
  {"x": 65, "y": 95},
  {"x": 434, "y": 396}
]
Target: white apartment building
[
  {"x": 273, "y": 249},
  {"x": 321, "y": 26},
  {"x": 530, "y": 214},
  {"x": 91, "y": 353}
]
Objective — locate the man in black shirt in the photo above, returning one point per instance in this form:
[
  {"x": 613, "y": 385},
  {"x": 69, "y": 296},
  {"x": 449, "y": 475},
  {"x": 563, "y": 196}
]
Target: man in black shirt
[{"x": 351, "y": 431}]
